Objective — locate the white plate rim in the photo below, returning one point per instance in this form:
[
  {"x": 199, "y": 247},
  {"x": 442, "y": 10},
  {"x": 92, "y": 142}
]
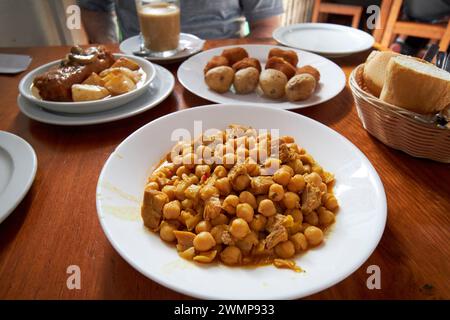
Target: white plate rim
[
  {"x": 177, "y": 56},
  {"x": 356, "y": 265},
  {"x": 286, "y": 105},
  {"x": 278, "y": 36},
  {"x": 116, "y": 100},
  {"x": 119, "y": 114},
  {"x": 23, "y": 174}
]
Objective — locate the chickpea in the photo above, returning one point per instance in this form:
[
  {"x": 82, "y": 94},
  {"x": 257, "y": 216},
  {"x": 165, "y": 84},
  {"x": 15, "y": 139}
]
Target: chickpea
[
  {"x": 323, "y": 188},
  {"x": 267, "y": 208},
  {"x": 331, "y": 202},
  {"x": 312, "y": 218},
  {"x": 282, "y": 177},
  {"x": 152, "y": 186},
  {"x": 287, "y": 139},
  {"x": 276, "y": 192},
  {"x": 166, "y": 232},
  {"x": 180, "y": 188},
  {"x": 299, "y": 241},
  {"x": 203, "y": 226},
  {"x": 217, "y": 232},
  {"x": 223, "y": 185},
  {"x": 189, "y": 160},
  {"x": 297, "y": 183},
  {"x": 296, "y": 214},
  {"x": 244, "y": 211},
  {"x": 314, "y": 178},
  {"x": 204, "y": 241},
  {"x": 192, "y": 192},
  {"x": 288, "y": 169},
  {"x": 239, "y": 228},
  {"x": 182, "y": 170},
  {"x": 260, "y": 198},
  {"x": 241, "y": 182},
  {"x": 285, "y": 249},
  {"x": 170, "y": 191},
  {"x": 291, "y": 200},
  {"x": 326, "y": 217},
  {"x": 220, "y": 219},
  {"x": 220, "y": 172},
  {"x": 187, "y": 204},
  {"x": 317, "y": 169},
  {"x": 230, "y": 203},
  {"x": 208, "y": 191},
  {"x": 258, "y": 223},
  {"x": 201, "y": 170},
  {"x": 248, "y": 197},
  {"x": 229, "y": 160},
  {"x": 297, "y": 166},
  {"x": 172, "y": 209},
  {"x": 231, "y": 255},
  {"x": 314, "y": 235},
  {"x": 252, "y": 167},
  {"x": 307, "y": 158}
]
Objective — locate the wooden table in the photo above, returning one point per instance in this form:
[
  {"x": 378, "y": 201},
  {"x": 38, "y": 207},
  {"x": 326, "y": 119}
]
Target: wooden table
[{"x": 56, "y": 224}]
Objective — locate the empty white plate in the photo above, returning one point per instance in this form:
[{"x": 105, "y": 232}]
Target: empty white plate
[
  {"x": 154, "y": 94},
  {"x": 189, "y": 45},
  {"x": 359, "y": 223},
  {"x": 332, "y": 78},
  {"x": 18, "y": 164},
  {"x": 331, "y": 40}
]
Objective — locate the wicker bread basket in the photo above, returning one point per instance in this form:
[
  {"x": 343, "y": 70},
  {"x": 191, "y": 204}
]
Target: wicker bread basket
[{"x": 397, "y": 127}]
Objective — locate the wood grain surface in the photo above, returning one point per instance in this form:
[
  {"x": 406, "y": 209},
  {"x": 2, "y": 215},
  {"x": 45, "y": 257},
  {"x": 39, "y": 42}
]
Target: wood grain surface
[{"x": 56, "y": 224}]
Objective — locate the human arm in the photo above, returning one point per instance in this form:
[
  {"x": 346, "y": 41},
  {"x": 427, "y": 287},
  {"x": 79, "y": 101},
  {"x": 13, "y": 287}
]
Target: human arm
[
  {"x": 98, "y": 20},
  {"x": 263, "y": 16}
]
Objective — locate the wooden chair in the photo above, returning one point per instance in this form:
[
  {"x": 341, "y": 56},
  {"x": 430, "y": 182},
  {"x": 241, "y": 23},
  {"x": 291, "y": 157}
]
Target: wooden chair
[
  {"x": 325, "y": 8},
  {"x": 394, "y": 27}
]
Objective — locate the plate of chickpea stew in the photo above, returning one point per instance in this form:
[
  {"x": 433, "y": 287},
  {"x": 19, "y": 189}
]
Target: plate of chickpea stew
[{"x": 277, "y": 206}]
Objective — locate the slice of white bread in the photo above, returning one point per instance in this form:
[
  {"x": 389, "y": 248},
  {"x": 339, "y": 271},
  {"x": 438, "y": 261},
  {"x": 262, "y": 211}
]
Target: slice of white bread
[
  {"x": 416, "y": 85},
  {"x": 374, "y": 70}
]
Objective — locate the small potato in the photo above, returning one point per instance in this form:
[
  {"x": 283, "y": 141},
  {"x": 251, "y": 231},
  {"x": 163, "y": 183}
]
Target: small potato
[
  {"x": 272, "y": 83},
  {"x": 220, "y": 78},
  {"x": 246, "y": 80},
  {"x": 126, "y": 63},
  {"x": 109, "y": 73},
  {"x": 311, "y": 70},
  {"x": 119, "y": 84},
  {"x": 88, "y": 92},
  {"x": 300, "y": 87},
  {"x": 94, "y": 79}
]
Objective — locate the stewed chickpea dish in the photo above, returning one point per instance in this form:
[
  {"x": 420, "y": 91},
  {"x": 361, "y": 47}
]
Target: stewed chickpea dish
[{"x": 240, "y": 197}]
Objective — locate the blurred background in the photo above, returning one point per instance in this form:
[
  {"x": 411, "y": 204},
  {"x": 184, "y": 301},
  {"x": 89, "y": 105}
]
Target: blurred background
[{"x": 404, "y": 25}]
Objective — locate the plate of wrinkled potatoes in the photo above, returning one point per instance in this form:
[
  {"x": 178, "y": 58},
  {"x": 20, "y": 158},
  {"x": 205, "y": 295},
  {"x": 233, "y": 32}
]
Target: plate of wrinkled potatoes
[{"x": 264, "y": 75}]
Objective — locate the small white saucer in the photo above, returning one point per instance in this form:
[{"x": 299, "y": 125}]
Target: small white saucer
[
  {"x": 191, "y": 44},
  {"x": 18, "y": 165},
  {"x": 157, "y": 91}
]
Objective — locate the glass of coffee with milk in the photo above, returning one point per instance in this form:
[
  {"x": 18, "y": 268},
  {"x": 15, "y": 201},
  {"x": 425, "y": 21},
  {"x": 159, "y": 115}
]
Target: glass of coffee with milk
[{"x": 159, "y": 21}]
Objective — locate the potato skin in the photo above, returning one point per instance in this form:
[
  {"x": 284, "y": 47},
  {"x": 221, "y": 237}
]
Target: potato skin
[
  {"x": 311, "y": 70},
  {"x": 246, "y": 80},
  {"x": 272, "y": 83},
  {"x": 219, "y": 79},
  {"x": 300, "y": 87}
]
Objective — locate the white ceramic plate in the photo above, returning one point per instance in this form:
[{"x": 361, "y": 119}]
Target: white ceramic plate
[
  {"x": 332, "y": 78},
  {"x": 87, "y": 106},
  {"x": 18, "y": 165},
  {"x": 357, "y": 231},
  {"x": 153, "y": 95},
  {"x": 189, "y": 45},
  {"x": 327, "y": 39}
]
